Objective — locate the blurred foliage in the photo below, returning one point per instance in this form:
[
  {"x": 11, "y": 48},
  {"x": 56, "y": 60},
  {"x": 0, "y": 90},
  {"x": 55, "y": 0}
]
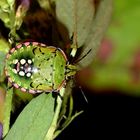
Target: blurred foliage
[
  {"x": 2, "y": 98},
  {"x": 117, "y": 63},
  {"x": 7, "y": 12},
  {"x": 99, "y": 25},
  {"x": 4, "y": 47},
  {"x": 77, "y": 18}
]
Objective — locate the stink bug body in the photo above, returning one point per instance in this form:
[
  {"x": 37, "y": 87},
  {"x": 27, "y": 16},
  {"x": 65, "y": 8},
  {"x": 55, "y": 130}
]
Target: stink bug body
[{"x": 34, "y": 67}]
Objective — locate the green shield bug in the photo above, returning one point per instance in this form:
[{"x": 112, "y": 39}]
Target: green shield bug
[{"x": 35, "y": 67}]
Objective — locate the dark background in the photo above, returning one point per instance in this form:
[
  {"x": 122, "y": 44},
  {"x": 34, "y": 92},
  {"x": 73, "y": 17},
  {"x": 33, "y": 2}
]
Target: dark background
[{"x": 106, "y": 115}]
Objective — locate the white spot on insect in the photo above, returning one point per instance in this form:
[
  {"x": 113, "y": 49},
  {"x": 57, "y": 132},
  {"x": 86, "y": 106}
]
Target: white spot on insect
[
  {"x": 35, "y": 70},
  {"x": 28, "y": 74},
  {"x": 29, "y": 61},
  {"x": 22, "y": 61},
  {"x": 21, "y": 73},
  {"x": 15, "y": 61},
  {"x": 29, "y": 69},
  {"x": 21, "y": 67},
  {"x": 15, "y": 71}
]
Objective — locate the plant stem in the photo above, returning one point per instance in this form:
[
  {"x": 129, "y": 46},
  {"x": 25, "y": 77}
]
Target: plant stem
[{"x": 50, "y": 133}]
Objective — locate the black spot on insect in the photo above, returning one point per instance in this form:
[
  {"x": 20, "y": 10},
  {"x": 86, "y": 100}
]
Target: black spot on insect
[
  {"x": 61, "y": 66},
  {"x": 48, "y": 59},
  {"x": 31, "y": 84},
  {"x": 51, "y": 65},
  {"x": 27, "y": 90},
  {"x": 10, "y": 52},
  {"x": 41, "y": 51},
  {"x": 38, "y": 85},
  {"x": 39, "y": 65},
  {"x": 55, "y": 55},
  {"x": 20, "y": 87},
  {"x": 39, "y": 73},
  {"x": 50, "y": 74},
  {"x": 38, "y": 70},
  {"x": 61, "y": 74},
  {"x": 34, "y": 50},
  {"x": 23, "y": 45},
  {"x": 30, "y": 43},
  {"x": 13, "y": 83},
  {"x": 52, "y": 85},
  {"x": 46, "y": 79}
]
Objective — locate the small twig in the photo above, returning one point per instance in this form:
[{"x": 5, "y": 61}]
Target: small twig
[{"x": 52, "y": 129}]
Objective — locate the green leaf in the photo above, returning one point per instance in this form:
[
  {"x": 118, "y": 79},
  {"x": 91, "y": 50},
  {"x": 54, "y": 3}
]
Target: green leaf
[
  {"x": 2, "y": 57},
  {"x": 35, "y": 120},
  {"x": 2, "y": 101},
  {"x": 7, "y": 11},
  {"x": 45, "y": 4},
  {"x": 76, "y": 16},
  {"x": 3, "y": 4},
  {"x": 7, "y": 111},
  {"x": 4, "y": 47},
  {"x": 4, "y": 16},
  {"x": 11, "y": 2},
  {"x": 99, "y": 26}
]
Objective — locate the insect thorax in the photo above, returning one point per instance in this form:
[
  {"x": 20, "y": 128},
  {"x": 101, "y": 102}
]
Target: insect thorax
[{"x": 70, "y": 70}]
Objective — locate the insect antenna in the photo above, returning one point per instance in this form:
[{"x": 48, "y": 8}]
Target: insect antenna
[
  {"x": 83, "y": 56},
  {"x": 83, "y": 94}
]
